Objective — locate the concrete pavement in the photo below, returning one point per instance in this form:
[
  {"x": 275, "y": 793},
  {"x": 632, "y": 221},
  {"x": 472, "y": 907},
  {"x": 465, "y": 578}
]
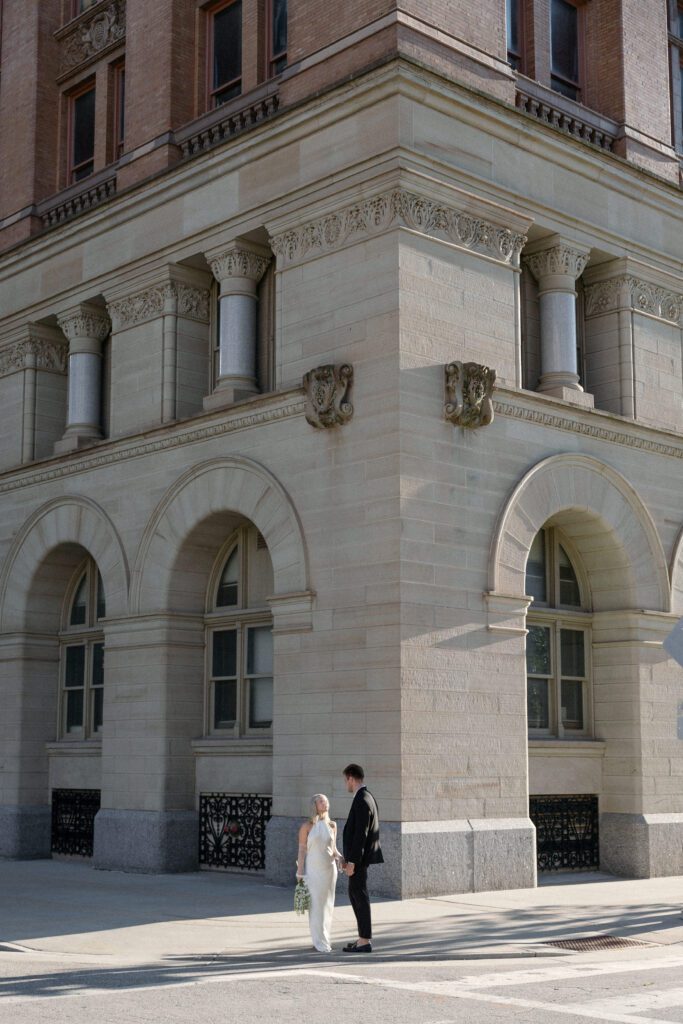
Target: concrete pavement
[{"x": 67, "y": 908}]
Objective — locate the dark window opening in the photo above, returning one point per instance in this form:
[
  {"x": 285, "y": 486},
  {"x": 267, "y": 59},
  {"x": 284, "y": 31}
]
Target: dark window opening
[
  {"x": 564, "y": 49},
  {"x": 226, "y": 53},
  {"x": 83, "y": 135},
  {"x": 278, "y": 36}
]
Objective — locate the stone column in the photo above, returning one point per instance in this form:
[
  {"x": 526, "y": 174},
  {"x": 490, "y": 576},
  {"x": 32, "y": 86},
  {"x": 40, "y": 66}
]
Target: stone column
[
  {"x": 238, "y": 268},
  {"x": 86, "y": 327},
  {"x": 556, "y": 265}
]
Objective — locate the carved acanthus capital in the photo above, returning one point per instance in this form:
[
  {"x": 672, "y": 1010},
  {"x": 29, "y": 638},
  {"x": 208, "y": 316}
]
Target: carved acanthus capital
[
  {"x": 238, "y": 261},
  {"x": 104, "y": 29},
  {"x": 327, "y": 391},
  {"x": 560, "y": 260},
  {"x": 627, "y": 292},
  {"x": 85, "y": 321},
  {"x": 469, "y": 387}
]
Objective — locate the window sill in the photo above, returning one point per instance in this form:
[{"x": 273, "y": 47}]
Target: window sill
[
  {"x": 246, "y": 746},
  {"x": 65, "y": 748},
  {"x": 566, "y": 748}
]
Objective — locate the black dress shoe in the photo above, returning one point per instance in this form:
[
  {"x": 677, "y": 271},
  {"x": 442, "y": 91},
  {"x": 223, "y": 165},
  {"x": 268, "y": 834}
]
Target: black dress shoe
[{"x": 353, "y": 947}]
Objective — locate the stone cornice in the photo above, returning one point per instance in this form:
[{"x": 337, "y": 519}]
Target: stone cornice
[
  {"x": 153, "y": 302},
  {"x": 39, "y": 349},
  {"x": 396, "y": 208},
  {"x": 253, "y": 414},
  {"x": 85, "y": 322},
  {"x": 557, "y": 260},
  {"x": 629, "y": 292},
  {"x": 92, "y": 34}
]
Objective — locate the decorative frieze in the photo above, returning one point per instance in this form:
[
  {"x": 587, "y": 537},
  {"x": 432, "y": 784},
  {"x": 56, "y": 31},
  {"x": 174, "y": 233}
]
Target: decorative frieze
[
  {"x": 151, "y": 303},
  {"x": 627, "y": 292},
  {"x": 397, "y": 208},
  {"x": 327, "y": 391},
  {"x": 35, "y": 352},
  {"x": 562, "y": 260},
  {"x": 469, "y": 387},
  {"x": 88, "y": 39}
]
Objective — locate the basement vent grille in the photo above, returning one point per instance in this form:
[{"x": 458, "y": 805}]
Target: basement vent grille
[{"x": 596, "y": 942}]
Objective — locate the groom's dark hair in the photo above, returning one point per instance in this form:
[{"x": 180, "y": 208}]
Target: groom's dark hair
[{"x": 354, "y": 771}]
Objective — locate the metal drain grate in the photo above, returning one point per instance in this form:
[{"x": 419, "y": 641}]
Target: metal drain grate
[{"x": 596, "y": 942}]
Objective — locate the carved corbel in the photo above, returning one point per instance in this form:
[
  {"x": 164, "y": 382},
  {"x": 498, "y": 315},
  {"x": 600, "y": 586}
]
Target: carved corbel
[
  {"x": 469, "y": 387},
  {"x": 327, "y": 392}
]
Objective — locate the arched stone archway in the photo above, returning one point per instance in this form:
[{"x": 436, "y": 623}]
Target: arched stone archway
[
  {"x": 608, "y": 522},
  {"x": 677, "y": 576}
]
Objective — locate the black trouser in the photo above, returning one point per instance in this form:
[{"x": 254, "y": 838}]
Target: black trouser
[{"x": 360, "y": 901}]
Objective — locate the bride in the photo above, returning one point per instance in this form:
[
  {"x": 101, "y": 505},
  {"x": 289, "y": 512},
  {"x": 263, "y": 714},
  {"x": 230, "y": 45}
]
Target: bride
[{"x": 317, "y": 864}]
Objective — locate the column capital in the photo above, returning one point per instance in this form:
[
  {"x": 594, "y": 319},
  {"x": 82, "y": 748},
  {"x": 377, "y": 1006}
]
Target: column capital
[
  {"x": 86, "y": 326},
  {"x": 556, "y": 263},
  {"x": 239, "y": 259}
]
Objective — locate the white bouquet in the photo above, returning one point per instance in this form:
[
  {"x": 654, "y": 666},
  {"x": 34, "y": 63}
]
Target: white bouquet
[{"x": 302, "y": 897}]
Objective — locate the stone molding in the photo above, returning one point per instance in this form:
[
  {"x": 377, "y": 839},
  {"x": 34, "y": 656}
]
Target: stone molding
[
  {"x": 557, "y": 260},
  {"x": 103, "y": 29},
  {"x": 628, "y": 292},
  {"x": 327, "y": 392},
  {"x": 238, "y": 261},
  {"x": 151, "y": 303},
  {"x": 85, "y": 322},
  {"x": 469, "y": 387},
  {"x": 35, "y": 352},
  {"x": 287, "y": 407},
  {"x": 397, "y": 208}
]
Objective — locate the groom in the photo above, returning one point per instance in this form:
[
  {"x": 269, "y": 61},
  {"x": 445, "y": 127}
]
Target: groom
[{"x": 361, "y": 847}]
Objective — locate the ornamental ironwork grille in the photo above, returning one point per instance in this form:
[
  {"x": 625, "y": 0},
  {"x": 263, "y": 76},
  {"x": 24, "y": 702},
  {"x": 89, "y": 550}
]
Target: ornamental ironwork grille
[
  {"x": 73, "y": 821},
  {"x": 566, "y": 832},
  {"x": 232, "y": 830}
]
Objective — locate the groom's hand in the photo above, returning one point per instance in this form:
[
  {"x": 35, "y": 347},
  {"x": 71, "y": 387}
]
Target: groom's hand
[{"x": 349, "y": 868}]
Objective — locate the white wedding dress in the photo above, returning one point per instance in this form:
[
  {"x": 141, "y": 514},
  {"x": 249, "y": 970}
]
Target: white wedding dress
[{"x": 321, "y": 879}]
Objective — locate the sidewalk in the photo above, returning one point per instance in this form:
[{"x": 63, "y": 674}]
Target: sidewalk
[{"x": 71, "y": 910}]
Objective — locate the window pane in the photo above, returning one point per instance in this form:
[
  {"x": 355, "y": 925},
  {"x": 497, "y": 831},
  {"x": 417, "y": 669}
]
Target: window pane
[
  {"x": 74, "y": 710},
  {"x": 535, "y": 569},
  {"x": 569, "y": 585},
  {"x": 260, "y": 651},
  {"x": 225, "y": 704},
  {"x": 74, "y": 674},
  {"x": 513, "y": 40},
  {"x": 260, "y": 703},
  {"x": 572, "y": 656},
  {"x": 279, "y": 26},
  {"x": 572, "y": 704},
  {"x": 84, "y": 132},
  {"x": 227, "y": 594},
  {"x": 227, "y": 48},
  {"x": 225, "y": 653},
  {"x": 101, "y": 603},
  {"x": 537, "y": 707},
  {"x": 97, "y": 710},
  {"x": 79, "y": 605},
  {"x": 538, "y": 651},
  {"x": 564, "y": 33},
  {"x": 98, "y": 665}
]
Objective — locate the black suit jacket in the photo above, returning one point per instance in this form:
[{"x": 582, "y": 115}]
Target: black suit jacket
[{"x": 361, "y": 831}]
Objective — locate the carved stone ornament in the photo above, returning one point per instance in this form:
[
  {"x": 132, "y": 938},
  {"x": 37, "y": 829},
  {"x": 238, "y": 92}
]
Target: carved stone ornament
[
  {"x": 397, "y": 208},
  {"x": 626, "y": 292},
  {"x": 85, "y": 323},
  {"x": 238, "y": 262},
  {"x": 560, "y": 260},
  {"x": 151, "y": 303},
  {"x": 103, "y": 30},
  {"x": 327, "y": 390},
  {"x": 41, "y": 353},
  {"x": 469, "y": 387}
]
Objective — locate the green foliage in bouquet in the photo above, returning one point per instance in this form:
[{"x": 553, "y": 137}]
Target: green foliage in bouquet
[{"x": 302, "y": 897}]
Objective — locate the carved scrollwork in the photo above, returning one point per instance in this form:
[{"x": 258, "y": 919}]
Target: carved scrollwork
[
  {"x": 469, "y": 387},
  {"x": 41, "y": 353},
  {"x": 104, "y": 29},
  {"x": 152, "y": 302},
  {"x": 402, "y": 208},
  {"x": 238, "y": 262},
  {"x": 327, "y": 391},
  {"x": 85, "y": 323},
  {"x": 562, "y": 260},
  {"x": 626, "y": 292}
]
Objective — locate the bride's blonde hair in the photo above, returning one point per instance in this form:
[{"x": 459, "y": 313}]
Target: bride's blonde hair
[{"x": 315, "y": 816}]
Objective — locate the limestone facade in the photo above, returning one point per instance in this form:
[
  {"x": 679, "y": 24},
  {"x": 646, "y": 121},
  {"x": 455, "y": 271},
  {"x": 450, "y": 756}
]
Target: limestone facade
[{"x": 330, "y": 561}]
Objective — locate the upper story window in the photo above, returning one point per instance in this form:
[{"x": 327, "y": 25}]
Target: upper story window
[
  {"x": 82, "y": 656},
  {"x": 565, "y": 47},
  {"x": 558, "y": 642},
  {"x": 78, "y": 6},
  {"x": 82, "y": 133},
  {"x": 514, "y": 23},
  {"x": 277, "y": 36},
  {"x": 225, "y": 52},
  {"x": 676, "y": 52},
  {"x": 119, "y": 123},
  {"x": 239, "y": 639}
]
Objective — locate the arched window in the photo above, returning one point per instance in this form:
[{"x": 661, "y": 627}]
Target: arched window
[
  {"x": 558, "y": 641},
  {"x": 82, "y": 656},
  {"x": 240, "y": 639}
]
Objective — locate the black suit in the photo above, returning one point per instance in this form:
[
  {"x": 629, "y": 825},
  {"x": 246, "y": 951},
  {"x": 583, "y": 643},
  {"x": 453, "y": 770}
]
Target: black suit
[{"x": 361, "y": 847}]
